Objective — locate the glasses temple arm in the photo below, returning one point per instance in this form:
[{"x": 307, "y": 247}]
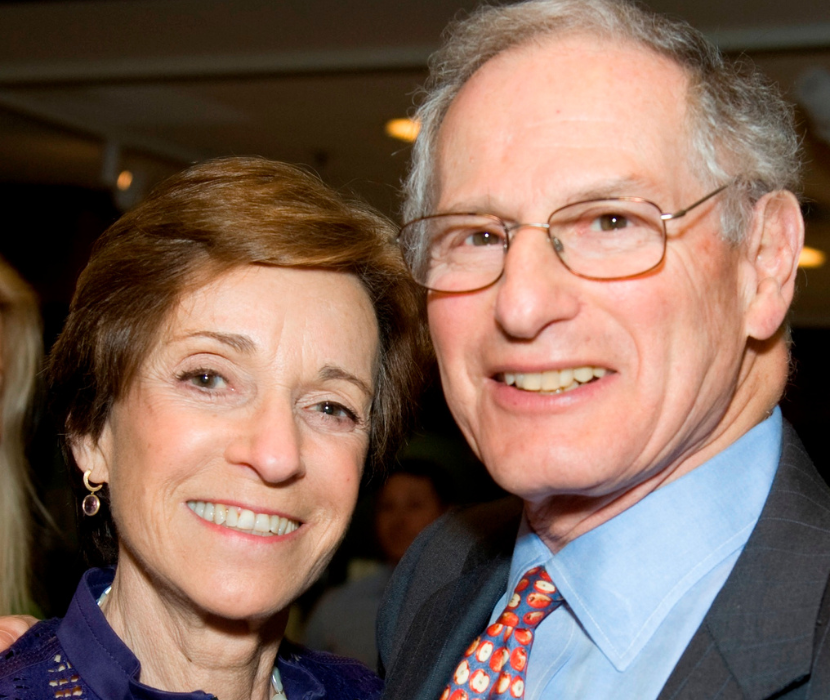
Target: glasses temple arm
[{"x": 683, "y": 212}]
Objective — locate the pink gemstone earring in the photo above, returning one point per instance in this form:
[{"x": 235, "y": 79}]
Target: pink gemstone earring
[{"x": 91, "y": 502}]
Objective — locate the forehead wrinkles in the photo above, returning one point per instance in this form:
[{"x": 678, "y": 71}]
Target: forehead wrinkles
[{"x": 547, "y": 106}]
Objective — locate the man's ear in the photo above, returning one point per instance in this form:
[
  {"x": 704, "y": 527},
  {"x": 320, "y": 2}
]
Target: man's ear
[
  {"x": 772, "y": 248},
  {"x": 91, "y": 454}
]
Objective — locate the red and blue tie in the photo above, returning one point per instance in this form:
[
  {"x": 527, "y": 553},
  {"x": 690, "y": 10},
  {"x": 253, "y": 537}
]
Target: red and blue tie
[{"x": 495, "y": 664}]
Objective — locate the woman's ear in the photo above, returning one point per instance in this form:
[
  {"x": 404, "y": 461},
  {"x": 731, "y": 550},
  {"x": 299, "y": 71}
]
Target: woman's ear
[
  {"x": 93, "y": 455},
  {"x": 772, "y": 248}
]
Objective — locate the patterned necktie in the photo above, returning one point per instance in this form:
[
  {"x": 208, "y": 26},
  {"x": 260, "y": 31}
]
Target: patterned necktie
[{"x": 495, "y": 664}]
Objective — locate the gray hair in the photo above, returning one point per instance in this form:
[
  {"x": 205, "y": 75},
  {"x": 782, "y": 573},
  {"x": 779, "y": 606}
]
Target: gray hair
[{"x": 740, "y": 128}]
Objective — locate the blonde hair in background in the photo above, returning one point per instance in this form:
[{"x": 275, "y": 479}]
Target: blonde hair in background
[{"x": 20, "y": 359}]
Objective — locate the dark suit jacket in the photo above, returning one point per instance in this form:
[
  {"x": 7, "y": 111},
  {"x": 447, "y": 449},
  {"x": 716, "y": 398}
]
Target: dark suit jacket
[{"x": 765, "y": 635}]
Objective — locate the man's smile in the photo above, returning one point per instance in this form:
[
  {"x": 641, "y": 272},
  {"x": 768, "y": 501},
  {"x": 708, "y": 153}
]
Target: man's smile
[{"x": 553, "y": 381}]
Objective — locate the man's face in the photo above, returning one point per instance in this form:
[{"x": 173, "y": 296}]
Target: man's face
[{"x": 537, "y": 128}]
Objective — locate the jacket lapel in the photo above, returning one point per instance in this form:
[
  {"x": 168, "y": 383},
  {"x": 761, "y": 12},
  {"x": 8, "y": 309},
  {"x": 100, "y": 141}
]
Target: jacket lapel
[
  {"x": 455, "y": 613},
  {"x": 757, "y": 638}
]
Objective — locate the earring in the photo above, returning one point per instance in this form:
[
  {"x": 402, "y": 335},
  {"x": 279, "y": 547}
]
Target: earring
[{"x": 91, "y": 502}]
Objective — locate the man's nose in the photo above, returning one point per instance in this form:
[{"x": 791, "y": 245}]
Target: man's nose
[
  {"x": 536, "y": 288},
  {"x": 268, "y": 441}
]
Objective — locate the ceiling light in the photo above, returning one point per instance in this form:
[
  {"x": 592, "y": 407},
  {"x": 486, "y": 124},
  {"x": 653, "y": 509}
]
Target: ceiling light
[
  {"x": 403, "y": 129},
  {"x": 811, "y": 257},
  {"x": 125, "y": 179}
]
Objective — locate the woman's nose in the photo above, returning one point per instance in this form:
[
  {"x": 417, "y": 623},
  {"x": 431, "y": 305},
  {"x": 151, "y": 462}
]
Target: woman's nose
[
  {"x": 268, "y": 442},
  {"x": 536, "y": 288}
]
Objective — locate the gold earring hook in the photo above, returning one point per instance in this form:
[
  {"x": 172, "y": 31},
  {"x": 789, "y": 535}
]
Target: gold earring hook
[{"x": 92, "y": 489}]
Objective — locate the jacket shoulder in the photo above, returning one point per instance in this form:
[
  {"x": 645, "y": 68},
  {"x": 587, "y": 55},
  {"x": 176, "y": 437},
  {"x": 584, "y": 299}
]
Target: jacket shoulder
[
  {"x": 766, "y": 632},
  {"x": 36, "y": 667}
]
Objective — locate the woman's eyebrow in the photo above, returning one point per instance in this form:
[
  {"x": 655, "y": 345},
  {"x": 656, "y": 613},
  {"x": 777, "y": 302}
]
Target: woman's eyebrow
[
  {"x": 334, "y": 372},
  {"x": 240, "y": 343}
]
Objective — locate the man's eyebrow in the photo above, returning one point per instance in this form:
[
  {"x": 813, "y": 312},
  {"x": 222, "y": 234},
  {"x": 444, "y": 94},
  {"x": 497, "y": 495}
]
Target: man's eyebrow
[
  {"x": 626, "y": 186},
  {"x": 334, "y": 372},
  {"x": 240, "y": 343},
  {"x": 620, "y": 187}
]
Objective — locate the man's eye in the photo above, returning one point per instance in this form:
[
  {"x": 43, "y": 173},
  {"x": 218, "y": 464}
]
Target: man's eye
[
  {"x": 483, "y": 238},
  {"x": 611, "y": 222}
]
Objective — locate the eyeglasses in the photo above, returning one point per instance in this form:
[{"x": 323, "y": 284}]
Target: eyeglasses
[{"x": 601, "y": 239}]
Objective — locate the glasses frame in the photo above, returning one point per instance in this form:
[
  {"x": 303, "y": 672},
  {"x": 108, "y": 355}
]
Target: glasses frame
[{"x": 556, "y": 244}]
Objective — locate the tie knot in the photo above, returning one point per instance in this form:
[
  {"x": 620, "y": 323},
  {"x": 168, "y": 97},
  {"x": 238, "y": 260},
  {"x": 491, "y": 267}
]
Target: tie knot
[{"x": 534, "y": 597}]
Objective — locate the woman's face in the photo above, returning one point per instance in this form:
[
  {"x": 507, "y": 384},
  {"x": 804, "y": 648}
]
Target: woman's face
[{"x": 255, "y": 402}]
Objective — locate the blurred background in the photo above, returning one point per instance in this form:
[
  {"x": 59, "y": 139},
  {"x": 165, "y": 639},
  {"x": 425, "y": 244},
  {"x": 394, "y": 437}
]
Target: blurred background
[{"x": 101, "y": 99}]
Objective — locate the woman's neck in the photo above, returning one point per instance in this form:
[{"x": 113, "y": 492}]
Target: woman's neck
[{"x": 182, "y": 649}]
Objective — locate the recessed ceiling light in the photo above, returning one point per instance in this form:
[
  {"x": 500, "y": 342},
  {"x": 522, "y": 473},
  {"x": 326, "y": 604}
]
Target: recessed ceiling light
[
  {"x": 403, "y": 129},
  {"x": 125, "y": 179},
  {"x": 811, "y": 257}
]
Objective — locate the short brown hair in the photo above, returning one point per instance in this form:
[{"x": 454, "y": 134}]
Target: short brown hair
[{"x": 194, "y": 227}]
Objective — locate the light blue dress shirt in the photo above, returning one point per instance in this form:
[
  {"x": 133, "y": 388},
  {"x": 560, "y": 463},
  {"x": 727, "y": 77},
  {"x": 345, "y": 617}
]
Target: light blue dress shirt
[{"x": 638, "y": 586}]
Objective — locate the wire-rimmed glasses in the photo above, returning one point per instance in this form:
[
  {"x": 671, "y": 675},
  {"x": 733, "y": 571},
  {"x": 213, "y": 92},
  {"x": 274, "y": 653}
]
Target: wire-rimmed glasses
[{"x": 601, "y": 239}]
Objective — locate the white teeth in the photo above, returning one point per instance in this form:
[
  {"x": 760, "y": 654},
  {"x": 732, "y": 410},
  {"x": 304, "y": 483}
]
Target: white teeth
[
  {"x": 554, "y": 380},
  {"x": 243, "y": 519},
  {"x": 531, "y": 382},
  {"x": 262, "y": 523},
  {"x": 550, "y": 380},
  {"x": 246, "y": 519},
  {"x": 583, "y": 374}
]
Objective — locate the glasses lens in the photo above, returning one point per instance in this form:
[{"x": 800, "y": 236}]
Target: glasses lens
[
  {"x": 607, "y": 239},
  {"x": 461, "y": 252}
]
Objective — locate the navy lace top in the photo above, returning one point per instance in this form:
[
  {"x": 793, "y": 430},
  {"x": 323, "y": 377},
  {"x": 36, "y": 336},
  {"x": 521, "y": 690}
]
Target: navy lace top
[{"x": 80, "y": 657}]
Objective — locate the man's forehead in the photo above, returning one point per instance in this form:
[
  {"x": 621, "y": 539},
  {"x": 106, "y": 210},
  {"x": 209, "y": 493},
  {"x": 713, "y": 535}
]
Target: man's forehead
[{"x": 592, "y": 109}]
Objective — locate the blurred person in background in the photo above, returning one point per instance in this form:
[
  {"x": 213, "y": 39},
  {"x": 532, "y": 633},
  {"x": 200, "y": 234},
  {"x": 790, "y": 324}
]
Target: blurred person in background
[
  {"x": 20, "y": 357},
  {"x": 416, "y": 493},
  {"x": 237, "y": 348}
]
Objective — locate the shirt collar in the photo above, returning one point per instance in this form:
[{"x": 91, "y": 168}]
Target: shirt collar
[{"x": 622, "y": 578}]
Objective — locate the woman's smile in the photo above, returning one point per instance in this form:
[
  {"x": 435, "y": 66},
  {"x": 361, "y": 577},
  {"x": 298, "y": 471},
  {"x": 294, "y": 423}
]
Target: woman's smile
[{"x": 243, "y": 519}]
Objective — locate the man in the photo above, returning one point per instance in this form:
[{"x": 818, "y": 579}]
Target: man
[{"x": 616, "y": 364}]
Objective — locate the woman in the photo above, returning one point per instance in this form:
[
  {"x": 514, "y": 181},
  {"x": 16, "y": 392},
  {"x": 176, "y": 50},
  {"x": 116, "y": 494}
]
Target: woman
[
  {"x": 20, "y": 354},
  {"x": 236, "y": 347}
]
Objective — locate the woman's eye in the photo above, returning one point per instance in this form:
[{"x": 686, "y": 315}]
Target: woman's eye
[
  {"x": 205, "y": 379},
  {"x": 332, "y": 408}
]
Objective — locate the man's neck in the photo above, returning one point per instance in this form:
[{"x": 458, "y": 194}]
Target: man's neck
[{"x": 560, "y": 518}]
